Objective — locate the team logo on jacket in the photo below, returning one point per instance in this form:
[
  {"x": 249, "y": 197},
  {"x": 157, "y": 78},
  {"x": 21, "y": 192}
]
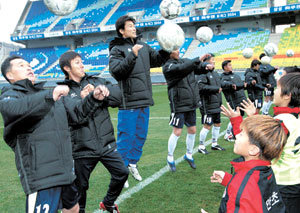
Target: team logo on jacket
[
  {"x": 231, "y": 77},
  {"x": 73, "y": 95},
  {"x": 210, "y": 76},
  {"x": 129, "y": 50}
]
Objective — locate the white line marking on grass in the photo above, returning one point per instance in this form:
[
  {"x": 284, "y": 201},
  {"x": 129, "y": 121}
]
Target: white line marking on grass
[{"x": 153, "y": 177}]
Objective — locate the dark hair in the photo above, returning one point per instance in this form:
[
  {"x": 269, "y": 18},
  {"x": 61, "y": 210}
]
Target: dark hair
[
  {"x": 224, "y": 63},
  {"x": 255, "y": 62},
  {"x": 262, "y": 55},
  {"x": 291, "y": 69},
  {"x": 120, "y": 23},
  {"x": 65, "y": 60},
  {"x": 290, "y": 85},
  {"x": 5, "y": 67},
  {"x": 209, "y": 57}
]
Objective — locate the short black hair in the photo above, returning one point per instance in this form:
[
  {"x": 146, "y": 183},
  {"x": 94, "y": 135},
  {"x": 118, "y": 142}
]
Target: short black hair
[
  {"x": 65, "y": 60},
  {"x": 224, "y": 63},
  {"x": 209, "y": 57},
  {"x": 262, "y": 55},
  {"x": 291, "y": 69},
  {"x": 255, "y": 62},
  {"x": 5, "y": 67},
  {"x": 290, "y": 85},
  {"x": 120, "y": 23}
]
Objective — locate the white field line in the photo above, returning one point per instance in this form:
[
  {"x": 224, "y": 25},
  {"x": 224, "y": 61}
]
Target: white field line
[{"x": 153, "y": 177}]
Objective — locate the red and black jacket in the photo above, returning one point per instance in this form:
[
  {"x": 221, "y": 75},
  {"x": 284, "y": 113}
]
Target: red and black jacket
[{"x": 252, "y": 188}]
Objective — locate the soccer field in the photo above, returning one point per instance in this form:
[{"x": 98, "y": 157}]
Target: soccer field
[{"x": 186, "y": 190}]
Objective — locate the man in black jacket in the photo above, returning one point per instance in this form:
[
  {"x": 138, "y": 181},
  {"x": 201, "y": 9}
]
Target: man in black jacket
[
  {"x": 129, "y": 63},
  {"x": 255, "y": 85},
  {"x": 184, "y": 100},
  {"x": 94, "y": 140},
  {"x": 36, "y": 128},
  {"x": 211, "y": 100},
  {"x": 267, "y": 76},
  {"x": 233, "y": 89}
]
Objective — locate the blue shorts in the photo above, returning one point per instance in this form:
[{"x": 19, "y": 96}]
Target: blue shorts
[
  {"x": 52, "y": 199},
  {"x": 183, "y": 118},
  {"x": 211, "y": 119}
]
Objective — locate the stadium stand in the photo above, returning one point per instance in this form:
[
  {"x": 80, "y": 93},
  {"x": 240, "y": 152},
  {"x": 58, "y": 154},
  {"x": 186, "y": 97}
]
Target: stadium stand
[
  {"x": 289, "y": 40},
  {"x": 217, "y": 6},
  {"x": 231, "y": 46},
  {"x": 39, "y": 18},
  {"x": 40, "y": 58},
  {"x": 248, "y": 4}
]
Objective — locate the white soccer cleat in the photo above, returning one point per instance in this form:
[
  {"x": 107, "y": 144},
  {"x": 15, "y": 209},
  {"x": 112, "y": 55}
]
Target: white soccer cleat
[
  {"x": 135, "y": 172},
  {"x": 126, "y": 185}
]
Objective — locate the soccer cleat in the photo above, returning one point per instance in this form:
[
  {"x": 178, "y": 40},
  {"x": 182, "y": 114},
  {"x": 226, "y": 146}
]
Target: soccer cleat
[
  {"x": 111, "y": 209},
  {"x": 126, "y": 185},
  {"x": 229, "y": 137},
  {"x": 217, "y": 147},
  {"x": 203, "y": 150},
  {"x": 190, "y": 161},
  {"x": 172, "y": 166},
  {"x": 135, "y": 172}
]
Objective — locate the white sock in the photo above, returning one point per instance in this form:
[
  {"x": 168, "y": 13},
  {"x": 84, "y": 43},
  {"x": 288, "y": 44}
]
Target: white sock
[
  {"x": 170, "y": 158},
  {"x": 189, "y": 156},
  {"x": 215, "y": 133},
  {"x": 190, "y": 141},
  {"x": 229, "y": 129},
  {"x": 172, "y": 144},
  {"x": 264, "y": 106},
  {"x": 132, "y": 165},
  {"x": 202, "y": 136},
  {"x": 214, "y": 144}
]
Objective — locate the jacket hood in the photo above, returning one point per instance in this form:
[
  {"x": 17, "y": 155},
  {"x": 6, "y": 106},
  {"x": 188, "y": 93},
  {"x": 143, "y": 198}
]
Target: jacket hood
[
  {"x": 121, "y": 40},
  {"x": 25, "y": 85},
  {"x": 240, "y": 164}
]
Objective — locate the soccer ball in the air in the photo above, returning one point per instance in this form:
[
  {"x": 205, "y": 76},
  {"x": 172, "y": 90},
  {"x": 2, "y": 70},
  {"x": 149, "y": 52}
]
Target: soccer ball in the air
[
  {"x": 61, "y": 7},
  {"x": 170, "y": 9},
  {"x": 266, "y": 60},
  {"x": 170, "y": 36},
  {"x": 271, "y": 49},
  {"x": 248, "y": 52},
  {"x": 290, "y": 53},
  {"x": 204, "y": 34}
]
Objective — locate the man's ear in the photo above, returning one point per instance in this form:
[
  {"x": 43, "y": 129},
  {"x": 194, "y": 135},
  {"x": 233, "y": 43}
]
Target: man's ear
[
  {"x": 287, "y": 97},
  {"x": 254, "y": 150},
  {"x": 9, "y": 76},
  {"x": 121, "y": 31},
  {"x": 67, "y": 68}
]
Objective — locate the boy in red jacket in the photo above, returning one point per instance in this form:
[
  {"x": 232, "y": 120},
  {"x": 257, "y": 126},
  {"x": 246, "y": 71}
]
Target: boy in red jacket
[{"x": 253, "y": 188}]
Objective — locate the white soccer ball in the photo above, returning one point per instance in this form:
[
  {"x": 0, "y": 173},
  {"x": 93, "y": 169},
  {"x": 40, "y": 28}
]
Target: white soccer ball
[
  {"x": 290, "y": 53},
  {"x": 170, "y": 36},
  {"x": 266, "y": 60},
  {"x": 170, "y": 9},
  {"x": 271, "y": 49},
  {"x": 61, "y": 7},
  {"x": 247, "y": 52},
  {"x": 204, "y": 34}
]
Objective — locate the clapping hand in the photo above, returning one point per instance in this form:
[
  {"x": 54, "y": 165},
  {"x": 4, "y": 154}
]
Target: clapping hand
[{"x": 230, "y": 113}]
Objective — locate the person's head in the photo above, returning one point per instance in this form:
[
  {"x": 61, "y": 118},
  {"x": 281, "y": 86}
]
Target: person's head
[
  {"x": 175, "y": 54},
  {"x": 262, "y": 137},
  {"x": 15, "y": 68},
  {"x": 291, "y": 69},
  {"x": 226, "y": 66},
  {"x": 287, "y": 93},
  {"x": 255, "y": 64},
  {"x": 125, "y": 27},
  {"x": 71, "y": 64},
  {"x": 262, "y": 55},
  {"x": 210, "y": 59}
]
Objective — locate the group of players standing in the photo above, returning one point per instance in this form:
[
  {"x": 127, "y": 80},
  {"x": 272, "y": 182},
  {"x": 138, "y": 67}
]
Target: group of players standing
[{"x": 40, "y": 125}]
